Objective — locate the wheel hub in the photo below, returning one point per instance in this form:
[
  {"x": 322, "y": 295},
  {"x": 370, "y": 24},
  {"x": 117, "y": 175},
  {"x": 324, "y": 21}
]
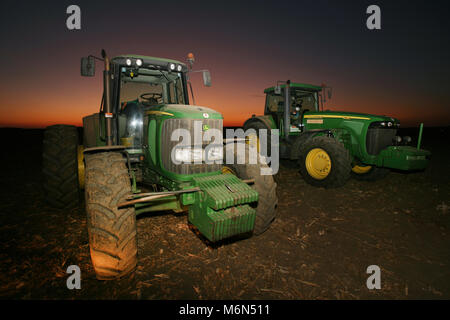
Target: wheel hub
[{"x": 318, "y": 163}]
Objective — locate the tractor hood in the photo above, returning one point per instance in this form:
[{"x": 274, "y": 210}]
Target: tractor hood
[
  {"x": 348, "y": 116},
  {"x": 184, "y": 111}
]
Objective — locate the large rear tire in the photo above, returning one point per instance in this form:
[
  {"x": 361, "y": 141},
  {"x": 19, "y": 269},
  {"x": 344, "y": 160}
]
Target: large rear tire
[
  {"x": 324, "y": 162},
  {"x": 60, "y": 167},
  {"x": 112, "y": 231},
  {"x": 264, "y": 184},
  {"x": 257, "y": 126}
]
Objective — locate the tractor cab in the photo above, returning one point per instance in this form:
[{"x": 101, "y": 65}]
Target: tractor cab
[
  {"x": 141, "y": 90},
  {"x": 300, "y": 97},
  {"x": 135, "y": 85}
]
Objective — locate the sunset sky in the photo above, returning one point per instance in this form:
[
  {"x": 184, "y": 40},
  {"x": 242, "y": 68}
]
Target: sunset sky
[{"x": 402, "y": 70}]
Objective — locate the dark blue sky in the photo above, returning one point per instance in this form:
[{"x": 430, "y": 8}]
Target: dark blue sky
[{"x": 401, "y": 70}]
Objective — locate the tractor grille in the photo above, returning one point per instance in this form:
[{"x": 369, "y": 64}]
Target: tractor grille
[
  {"x": 166, "y": 147},
  {"x": 379, "y": 138}
]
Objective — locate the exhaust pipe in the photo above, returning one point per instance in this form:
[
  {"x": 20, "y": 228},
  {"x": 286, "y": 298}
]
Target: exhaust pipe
[
  {"x": 107, "y": 93},
  {"x": 287, "y": 110},
  {"x": 419, "y": 140}
]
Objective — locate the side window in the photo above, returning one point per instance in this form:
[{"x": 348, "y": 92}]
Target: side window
[
  {"x": 179, "y": 92},
  {"x": 176, "y": 92},
  {"x": 173, "y": 98},
  {"x": 274, "y": 103}
]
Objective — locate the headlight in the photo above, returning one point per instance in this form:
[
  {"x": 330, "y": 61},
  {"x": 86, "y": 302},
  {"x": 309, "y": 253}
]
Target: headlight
[
  {"x": 188, "y": 155},
  {"x": 384, "y": 124},
  {"x": 139, "y": 62},
  {"x": 213, "y": 153},
  {"x": 135, "y": 123},
  {"x": 128, "y": 62}
]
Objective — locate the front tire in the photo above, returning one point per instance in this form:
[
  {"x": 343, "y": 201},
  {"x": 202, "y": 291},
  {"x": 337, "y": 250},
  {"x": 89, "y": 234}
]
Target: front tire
[
  {"x": 60, "y": 167},
  {"x": 369, "y": 173},
  {"x": 112, "y": 231},
  {"x": 324, "y": 162},
  {"x": 263, "y": 184}
]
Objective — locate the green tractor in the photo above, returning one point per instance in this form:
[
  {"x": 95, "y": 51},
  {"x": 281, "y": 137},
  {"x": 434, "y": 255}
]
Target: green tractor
[
  {"x": 332, "y": 146},
  {"x": 129, "y": 163}
]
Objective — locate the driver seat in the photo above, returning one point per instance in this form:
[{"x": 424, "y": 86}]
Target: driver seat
[{"x": 151, "y": 102}]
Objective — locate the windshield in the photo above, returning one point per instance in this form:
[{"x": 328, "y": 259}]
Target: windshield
[
  {"x": 303, "y": 100},
  {"x": 151, "y": 87}
]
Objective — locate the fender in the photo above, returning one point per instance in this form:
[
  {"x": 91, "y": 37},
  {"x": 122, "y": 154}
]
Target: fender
[
  {"x": 267, "y": 120},
  {"x": 104, "y": 149},
  {"x": 301, "y": 139}
]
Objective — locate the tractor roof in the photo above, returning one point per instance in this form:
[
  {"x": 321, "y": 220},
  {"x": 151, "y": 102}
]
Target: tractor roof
[
  {"x": 303, "y": 86},
  {"x": 148, "y": 60}
]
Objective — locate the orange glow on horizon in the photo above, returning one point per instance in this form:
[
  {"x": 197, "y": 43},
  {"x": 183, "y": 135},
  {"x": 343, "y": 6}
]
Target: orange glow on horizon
[{"x": 44, "y": 103}]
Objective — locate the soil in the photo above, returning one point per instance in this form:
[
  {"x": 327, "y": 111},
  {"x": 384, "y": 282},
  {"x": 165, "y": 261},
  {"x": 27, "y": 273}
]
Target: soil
[{"x": 319, "y": 247}]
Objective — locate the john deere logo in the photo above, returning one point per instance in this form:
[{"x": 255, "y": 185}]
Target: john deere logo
[{"x": 205, "y": 127}]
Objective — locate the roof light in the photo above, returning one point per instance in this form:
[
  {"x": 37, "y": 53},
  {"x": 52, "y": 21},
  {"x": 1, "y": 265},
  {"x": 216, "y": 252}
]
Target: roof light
[
  {"x": 139, "y": 62},
  {"x": 172, "y": 66},
  {"x": 179, "y": 68},
  {"x": 128, "y": 62}
]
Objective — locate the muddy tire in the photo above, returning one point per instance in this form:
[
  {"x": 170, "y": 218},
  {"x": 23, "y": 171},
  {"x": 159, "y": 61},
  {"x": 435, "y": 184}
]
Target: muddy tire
[
  {"x": 264, "y": 184},
  {"x": 60, "y": 167},
  {"x": 324, "y": 162},
  {"x": 112, "y": 231},
  {"x": 374, "y": 174}
]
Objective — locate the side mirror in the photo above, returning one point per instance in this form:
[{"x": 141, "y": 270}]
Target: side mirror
[
  {"x": 87, "y": 66},
  {"x": 206, "y": 78}
]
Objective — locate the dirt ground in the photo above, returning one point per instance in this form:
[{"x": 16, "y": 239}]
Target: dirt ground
[{"x": 319, "y": 247}]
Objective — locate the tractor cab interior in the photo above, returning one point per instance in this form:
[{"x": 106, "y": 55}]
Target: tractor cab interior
[
  {"x": 300, "y": 102},
  {"x": 303, "y": 100},
  {"x": 141, "y": 90}
]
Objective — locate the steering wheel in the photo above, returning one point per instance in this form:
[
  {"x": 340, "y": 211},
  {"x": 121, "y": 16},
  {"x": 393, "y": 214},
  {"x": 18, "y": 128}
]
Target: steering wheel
[{"x": 150, "y": 98}]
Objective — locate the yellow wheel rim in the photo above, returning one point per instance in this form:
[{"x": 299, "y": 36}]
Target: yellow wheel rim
[
  {"x": 253, "y": 139},
  {"x": 80, "y": 159},
  {"x": 318, "y": 163},
  {"x": 361, "y": 169}
]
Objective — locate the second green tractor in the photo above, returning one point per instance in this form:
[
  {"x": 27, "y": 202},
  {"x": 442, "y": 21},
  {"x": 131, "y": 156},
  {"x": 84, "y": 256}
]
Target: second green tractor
[{"x": 332, "y": 146}]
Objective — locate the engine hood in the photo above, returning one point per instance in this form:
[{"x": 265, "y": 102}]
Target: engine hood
[
  {"x": 349, "y": 116},
  {"x": 184, "y": 111}
]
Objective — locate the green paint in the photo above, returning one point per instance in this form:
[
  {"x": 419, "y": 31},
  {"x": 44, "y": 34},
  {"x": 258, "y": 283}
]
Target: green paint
[
  {"x": 350, "y": 128},
  {"x": 221, "y": 209},
  {"x": 162, "y": 204},
  {"x": 403, "y": 158}
]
